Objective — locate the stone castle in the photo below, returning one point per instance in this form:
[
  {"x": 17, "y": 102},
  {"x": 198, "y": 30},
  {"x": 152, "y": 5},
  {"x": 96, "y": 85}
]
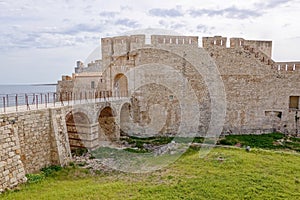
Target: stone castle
[
  {"x": 154, "y": 85},
  {"x": 246, "y": 92}
]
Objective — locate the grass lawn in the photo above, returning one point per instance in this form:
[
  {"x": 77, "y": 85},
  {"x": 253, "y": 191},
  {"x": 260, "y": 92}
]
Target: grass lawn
[{"x": 225, "y": 173}]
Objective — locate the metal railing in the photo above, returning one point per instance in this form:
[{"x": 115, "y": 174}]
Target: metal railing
[{"x": 34, "y": 101}]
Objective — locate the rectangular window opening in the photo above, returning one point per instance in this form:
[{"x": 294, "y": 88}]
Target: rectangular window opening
[
  {"x": 294, "y": 102},
  {"x": 93, "y": 84}
]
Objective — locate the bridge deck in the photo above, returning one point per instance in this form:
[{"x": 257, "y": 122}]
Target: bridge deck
[{"x": 57, "y": 104}]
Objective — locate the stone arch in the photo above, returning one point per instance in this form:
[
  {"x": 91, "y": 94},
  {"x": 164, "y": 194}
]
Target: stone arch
[
  {"x": 125, "y": 118},
  {"x": 120, "y": 85},
  {"x": 77, "y": 124},
  {"x": 108, "y": 127},
  {"x": 84, "y": 110}
]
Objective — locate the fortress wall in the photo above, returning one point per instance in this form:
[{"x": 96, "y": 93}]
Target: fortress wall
[
  {"x": 119, "y": 46},
  {"x": 264, "y": 46},
  {"x": 33, "y": 132},
  {"x": 137, "y": 41},
  {"x": 257, "y": 95},
  {"x": 167, "y": 92},
  {"x": 30, "y": 141},
  {"x": 12, "y": 170},
  {"x": 257, "y": 88}
]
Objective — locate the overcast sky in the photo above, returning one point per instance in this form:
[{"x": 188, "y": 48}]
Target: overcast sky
[{"x": 41, "y": 40}]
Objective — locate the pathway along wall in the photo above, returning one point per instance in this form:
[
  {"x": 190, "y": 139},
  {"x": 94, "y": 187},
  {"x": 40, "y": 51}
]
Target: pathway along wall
[{"x": 30, "y": 141}]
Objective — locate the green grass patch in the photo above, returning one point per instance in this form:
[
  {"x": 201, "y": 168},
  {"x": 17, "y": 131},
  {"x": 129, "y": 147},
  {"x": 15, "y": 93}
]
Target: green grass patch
[
  {"x": 222, "y": 174},
  {"x": 45, "y": 172},
  {"x": 34, "y": 178}
]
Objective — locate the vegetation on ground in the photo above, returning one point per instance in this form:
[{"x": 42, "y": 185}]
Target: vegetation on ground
[
  {"x": 140, "y": 142},
  {"x": 267, "y": 141},
  {"x": 45, "y": 172},
  {"x": 225, "y": 173},
  {"x": 274, "y": 141}
]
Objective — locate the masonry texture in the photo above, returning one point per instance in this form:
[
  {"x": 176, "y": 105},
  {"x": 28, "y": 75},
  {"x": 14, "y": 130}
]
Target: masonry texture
[{"x": 29, "y": 142}]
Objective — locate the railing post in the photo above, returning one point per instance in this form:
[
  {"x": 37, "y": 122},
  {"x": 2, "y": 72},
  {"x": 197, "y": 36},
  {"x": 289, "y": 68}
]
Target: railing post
[
  {"x": 45, "y": 100},
  {"x": 16, "y": 102},
  {"x": 54, "y": 99},
  {"x": 61, "y": 99},
  {"x": 4, "y": 108},
  {"x": 37, "y": 101},
  {"x": 26, "y": 102},
  {"x": 7, "y": 100},
  {"x": 33, "y": 98},
  {"x": 74, "y": 98}
]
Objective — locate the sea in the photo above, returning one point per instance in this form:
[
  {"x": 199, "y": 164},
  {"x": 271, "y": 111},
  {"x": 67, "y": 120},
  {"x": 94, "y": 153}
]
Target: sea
[
  {"x": 10, "y": 95},
  {"x": 25, "y": 89}
]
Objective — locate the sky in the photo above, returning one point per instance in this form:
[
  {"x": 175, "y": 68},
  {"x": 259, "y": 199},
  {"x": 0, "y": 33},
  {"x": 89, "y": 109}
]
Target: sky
[{"x": 41, "y": 40}]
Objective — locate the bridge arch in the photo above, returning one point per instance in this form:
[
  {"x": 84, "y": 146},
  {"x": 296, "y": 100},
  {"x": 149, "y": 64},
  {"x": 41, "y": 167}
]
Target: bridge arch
[
  {"x": 125, "y": 118},
  {"x": 120, "y": 85},
  {"x": 108, "y": 125},
  {"x": 77, "y": 126}
]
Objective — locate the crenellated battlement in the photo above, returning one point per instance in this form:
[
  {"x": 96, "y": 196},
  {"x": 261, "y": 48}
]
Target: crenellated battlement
[
  {"x": 119, "y": 46},
  {"x": 174, "y": 40},
  {"x": 287, "y": 66},
  {"x": 214, "y": 41},
  {"x": 263, "y": 46}
]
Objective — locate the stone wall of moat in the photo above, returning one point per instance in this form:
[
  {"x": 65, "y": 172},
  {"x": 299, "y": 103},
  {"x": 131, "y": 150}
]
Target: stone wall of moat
[{"x": 30, "y": 141}]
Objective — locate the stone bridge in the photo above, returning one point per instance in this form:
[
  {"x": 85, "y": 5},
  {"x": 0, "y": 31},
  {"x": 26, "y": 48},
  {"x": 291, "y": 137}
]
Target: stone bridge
[
  {"x": 91, "y": 125},
  {"x": 33, "y": 139}
]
